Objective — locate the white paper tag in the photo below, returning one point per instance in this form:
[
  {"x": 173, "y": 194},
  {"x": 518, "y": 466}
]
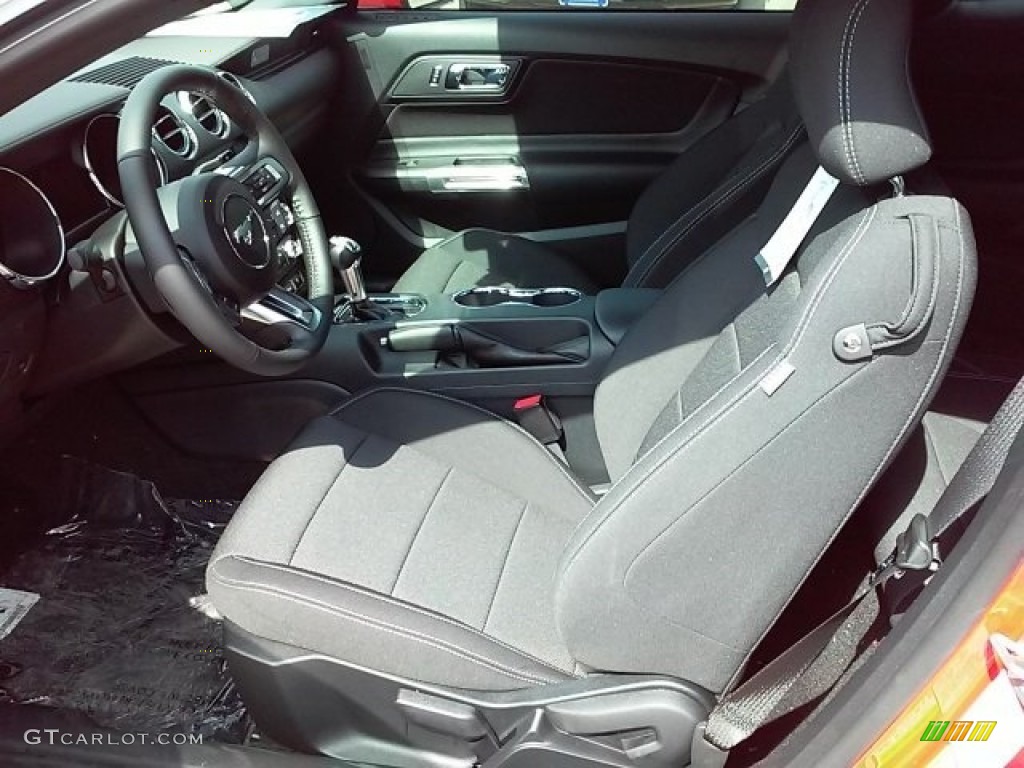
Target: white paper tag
[
  {"x": 778, "y": 251},
  {"x": 776, "y": 377},
  {"x": 14, "y": 604}
]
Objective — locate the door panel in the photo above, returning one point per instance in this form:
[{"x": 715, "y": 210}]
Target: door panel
[{"x": 589, "y": 110}]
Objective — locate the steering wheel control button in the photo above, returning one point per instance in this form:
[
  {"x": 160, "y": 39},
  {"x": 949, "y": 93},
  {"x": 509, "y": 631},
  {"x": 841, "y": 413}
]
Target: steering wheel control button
[
  {"x": 246, "y": 232},
  {"x": 265, "y": 180},
  {"x": 282, "y": 217}
]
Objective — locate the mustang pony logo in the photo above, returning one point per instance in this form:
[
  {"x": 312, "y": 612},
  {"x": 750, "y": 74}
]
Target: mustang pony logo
[{"x": 243, "y": 234}]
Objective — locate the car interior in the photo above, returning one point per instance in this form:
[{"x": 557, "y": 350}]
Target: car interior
[{"x": 433, "y": 388}]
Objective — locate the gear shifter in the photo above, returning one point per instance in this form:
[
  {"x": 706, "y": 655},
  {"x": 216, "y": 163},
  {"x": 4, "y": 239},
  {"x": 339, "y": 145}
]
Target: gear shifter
[{"x": 346, "y": 256}]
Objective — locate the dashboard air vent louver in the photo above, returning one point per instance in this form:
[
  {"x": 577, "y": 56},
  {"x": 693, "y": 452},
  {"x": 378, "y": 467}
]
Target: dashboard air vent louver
[
  {"x": 126, "y": 73},
  {"x": 208, "y": 115},
  {"x": 170, "y": 131}
]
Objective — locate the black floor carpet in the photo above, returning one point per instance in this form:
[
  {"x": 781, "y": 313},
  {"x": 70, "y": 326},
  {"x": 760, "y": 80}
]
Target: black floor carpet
[{"x": 118, "y": 633}]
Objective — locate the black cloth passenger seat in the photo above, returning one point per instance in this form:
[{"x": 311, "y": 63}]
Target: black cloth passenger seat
[{"x": 708, "y": 190}]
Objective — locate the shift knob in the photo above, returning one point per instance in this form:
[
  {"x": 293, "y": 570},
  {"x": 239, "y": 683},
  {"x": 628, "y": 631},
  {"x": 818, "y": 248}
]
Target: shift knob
[
  {"x": 345, "y": 253},
  {"x": 346, "y": 257}
]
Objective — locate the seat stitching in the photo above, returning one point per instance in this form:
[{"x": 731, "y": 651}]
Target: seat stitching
[
  {"x": 849, "y": 99},
  {"x": 423, "y": 520},
  {"x": 397, "y": 602},
  {"x": 683, "y": 417},
  {"x": 714, "y": 205},
  {"x": 316, "y": 510},
  {"x": 801, "y": 329},
  {"x": 845, "y": 101},
  {"x": 384, "y": 626},
  {"x": 902, "y": 432},
  {"x": 709, "y": 400},
  {"x": 714, "y": 200},
  {"x": 504, "y": 564},
  {"x": 732, "y": 473},
  {"x": 585, "y": 494}
]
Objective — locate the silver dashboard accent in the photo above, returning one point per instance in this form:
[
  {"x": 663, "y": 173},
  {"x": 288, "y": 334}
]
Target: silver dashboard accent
[
  {"x": 206, "y": 113},
  {"x": 169, "y": 129},
  {"x": 18, "y": 278},
  {"x": 90, "y": 166}
]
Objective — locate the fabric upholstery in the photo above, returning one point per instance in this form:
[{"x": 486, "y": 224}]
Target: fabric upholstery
[
  {"x": 424, "y": 538},
  {"x": 851, "y": 81},
  {"x": 740, "y": 491},
  {"x": 377, "y": 538},
  {"x": 707, "y": 190},
  {"x": 711, "y": 188},
  {"x": 484, "y": 257}
]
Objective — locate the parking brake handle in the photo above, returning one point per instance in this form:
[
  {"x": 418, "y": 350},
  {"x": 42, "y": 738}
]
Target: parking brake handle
[{"x": 485, "y": 350}]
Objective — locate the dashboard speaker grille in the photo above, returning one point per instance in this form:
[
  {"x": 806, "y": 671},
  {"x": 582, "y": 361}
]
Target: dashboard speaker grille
[{"x": 126, "y": 73}]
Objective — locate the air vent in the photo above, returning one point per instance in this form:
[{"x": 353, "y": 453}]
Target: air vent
[
  {"x": 126, "y": 73},
  {"x": 170, "y": 131},
  {"x": 206, "y": 113}
]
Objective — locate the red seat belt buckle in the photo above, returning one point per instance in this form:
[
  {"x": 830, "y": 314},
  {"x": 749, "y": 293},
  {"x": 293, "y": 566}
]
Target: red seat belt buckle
[
  {"x": 531, "y": 401},
  {"x": 535, "y": 417}
]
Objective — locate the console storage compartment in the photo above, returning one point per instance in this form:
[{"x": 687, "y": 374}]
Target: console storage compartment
[{"x": 493, "y": 296}]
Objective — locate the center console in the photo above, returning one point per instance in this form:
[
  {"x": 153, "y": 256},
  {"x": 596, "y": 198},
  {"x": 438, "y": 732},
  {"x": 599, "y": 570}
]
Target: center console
[{"x": 486, "y": 342}]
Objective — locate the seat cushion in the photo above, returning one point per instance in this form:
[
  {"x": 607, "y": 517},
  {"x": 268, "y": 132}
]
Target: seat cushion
[
  {"x": 484, "y": 257},
  {"x": 410, "y": 534}
]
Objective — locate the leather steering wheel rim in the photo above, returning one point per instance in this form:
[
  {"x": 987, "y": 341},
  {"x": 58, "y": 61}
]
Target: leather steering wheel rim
[{"x": 183, "y": 293}]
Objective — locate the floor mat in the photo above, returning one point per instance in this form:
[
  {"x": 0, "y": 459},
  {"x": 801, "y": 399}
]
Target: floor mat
[{"x": 119, "y": 632}]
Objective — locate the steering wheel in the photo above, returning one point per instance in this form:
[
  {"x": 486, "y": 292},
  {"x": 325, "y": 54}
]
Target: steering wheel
[{"x": 205, "y": 239}]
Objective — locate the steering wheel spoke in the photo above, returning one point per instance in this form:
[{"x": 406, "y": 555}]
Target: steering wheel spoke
[
  {"x": 228, "y": 306},
  {"x": 281, "y": 306},
  {"x": 282, "y": 320}
]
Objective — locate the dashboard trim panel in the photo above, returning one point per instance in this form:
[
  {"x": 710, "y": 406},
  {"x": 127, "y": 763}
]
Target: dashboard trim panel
[{"x": 16, "y": 278}]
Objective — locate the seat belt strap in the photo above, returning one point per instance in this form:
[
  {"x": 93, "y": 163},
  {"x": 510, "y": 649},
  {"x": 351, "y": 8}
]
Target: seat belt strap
[
  {"x": 982, "y": 466},
  {"x": 805, "y": 671},
  {"x": 815, "y": 664},
  {"x": 780, "y": 249}
]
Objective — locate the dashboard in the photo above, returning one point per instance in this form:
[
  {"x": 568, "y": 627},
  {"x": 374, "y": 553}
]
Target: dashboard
[
  {"x": 75, "y": 166},
  {"x": 60, "y": 192}
]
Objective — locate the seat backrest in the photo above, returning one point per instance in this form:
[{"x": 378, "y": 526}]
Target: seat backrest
[
  {"x": 742, "y": 424},
  {"x": 710, "y": 188}
]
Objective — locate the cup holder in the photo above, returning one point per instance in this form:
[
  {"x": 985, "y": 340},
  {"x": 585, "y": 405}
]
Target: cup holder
[{"x": 497, "y": 296}]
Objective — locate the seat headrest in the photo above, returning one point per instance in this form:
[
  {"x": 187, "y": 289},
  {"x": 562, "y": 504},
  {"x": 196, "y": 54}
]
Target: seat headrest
[{"x": 851, "y": 79}]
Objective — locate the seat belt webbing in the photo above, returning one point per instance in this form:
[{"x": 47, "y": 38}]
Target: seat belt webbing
[{"x": 813, "y": 666}]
